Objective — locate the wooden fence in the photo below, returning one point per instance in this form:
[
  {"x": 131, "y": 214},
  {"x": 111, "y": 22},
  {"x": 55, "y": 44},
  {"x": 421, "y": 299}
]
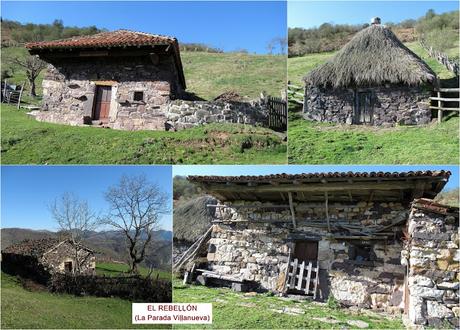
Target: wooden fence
[
  {"x": 277, "y": 114},
  {"x": 295, "y": 93},
  {"x": 451, "y": 65},
  {"x": 446, "y": 99}
]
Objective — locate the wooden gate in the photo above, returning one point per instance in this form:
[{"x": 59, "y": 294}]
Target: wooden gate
[
  {"x": 277, "y": 114},
  {"x": 302, "y": 276}
]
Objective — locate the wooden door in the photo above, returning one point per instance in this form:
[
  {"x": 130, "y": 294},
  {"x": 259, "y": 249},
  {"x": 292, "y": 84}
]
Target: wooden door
[
  {"x": 364, "y": 108},
  {"x": 306, "y": 251},
  {"x": 102, "y": 103}
]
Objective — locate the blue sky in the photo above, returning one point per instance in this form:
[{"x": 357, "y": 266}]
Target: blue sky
[
  {"x": 314, "y": 13},
  {"x": 28, "y": 190},
  {"x": 225, "y": 25},
  {"x": 295, "y": 169}
]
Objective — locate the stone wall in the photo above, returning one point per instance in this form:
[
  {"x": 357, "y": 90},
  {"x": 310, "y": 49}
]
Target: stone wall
[
  {"x": 185, "y": 114},
  {"x": 54, "y": 259},
  {"x": 432, "y": 257},
  {"x": 257, "y": 250},
  {"x": 402, "y": 105}
]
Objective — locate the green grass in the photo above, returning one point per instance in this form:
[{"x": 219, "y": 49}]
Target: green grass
[
  {"x": 298, "y": 67},
  {"x": 209, "y": 75},
  {"x": 114, "y": 269},
  {"x": 234, "y": 310},
  {"x": 323, "y": 143},
  {"x": 437, "y": 67},
  {"x": 23, "y": 309},
  {"x": 26, "y": 141}
]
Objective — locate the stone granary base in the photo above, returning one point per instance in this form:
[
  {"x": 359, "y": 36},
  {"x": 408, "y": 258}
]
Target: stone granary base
[{"x": 386, "y": 106}]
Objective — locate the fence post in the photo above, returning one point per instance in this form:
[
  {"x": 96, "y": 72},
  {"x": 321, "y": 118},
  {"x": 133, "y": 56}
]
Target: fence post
[{"x": 20, "y": 94}]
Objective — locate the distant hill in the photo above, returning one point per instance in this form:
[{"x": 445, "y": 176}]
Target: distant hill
[{"x": 109, "y": 245}]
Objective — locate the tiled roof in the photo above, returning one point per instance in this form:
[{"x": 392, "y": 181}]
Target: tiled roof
[
  {"x": 313, "y": 176},
  {"x": 118, "y": 38},
  {"x": 34, "y": 248}
]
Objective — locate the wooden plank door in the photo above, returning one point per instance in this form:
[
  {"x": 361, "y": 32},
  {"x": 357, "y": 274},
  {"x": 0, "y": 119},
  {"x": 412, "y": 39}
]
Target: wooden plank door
[
  {"x": 306, "y": 251},
  {"x": 102, "y": 103},
  {"x": 364, "y": 108}
]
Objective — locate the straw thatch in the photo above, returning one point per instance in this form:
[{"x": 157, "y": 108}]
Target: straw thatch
[
  {"x": 375, "y": 56},
  {"x": 192, "y": 218}
]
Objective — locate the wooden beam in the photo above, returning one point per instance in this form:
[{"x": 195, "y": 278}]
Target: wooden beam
[
  {"x": 317, "y": 187},
  {"x": 292, "y": 209},
  {"x": 326, "y": 197}
]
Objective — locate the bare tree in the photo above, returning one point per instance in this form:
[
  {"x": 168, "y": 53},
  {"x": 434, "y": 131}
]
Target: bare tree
[
  {"x": 33, "y": 66},
  {"x": 135, "y": 208},
  {"x": 74, "y": 217},
  {"x": 271, "y": 47}
]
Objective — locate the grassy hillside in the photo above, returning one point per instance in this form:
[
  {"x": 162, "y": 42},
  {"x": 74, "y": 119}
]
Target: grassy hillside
[
  {"x": 113, "y": 269},
  {"x": 26, "y": 141},
  {"x": 207, "y": 74},
  {"x": 25, "y": 309},
  {"x": 232, "y": 310}
]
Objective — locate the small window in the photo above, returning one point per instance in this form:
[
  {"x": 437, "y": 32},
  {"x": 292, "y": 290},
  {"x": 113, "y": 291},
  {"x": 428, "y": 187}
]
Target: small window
[
  {"x": 361, "y": 253},
  {"x": 138, "y": 96},
  {"x": 68, "y": 267}
]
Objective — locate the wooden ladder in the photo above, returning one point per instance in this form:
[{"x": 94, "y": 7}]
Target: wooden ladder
[{"x": 302, "y": 276}]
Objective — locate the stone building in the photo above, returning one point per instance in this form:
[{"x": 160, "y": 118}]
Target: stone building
[
  {"x": 373, "y": 80},
  {"x": 271, "y": 230},
  {"x": 127, "y": 80},
  {"x": 432, "y": 257},
  {"x": 118, "y": 78},
  {"x": 40, "y": 259}
]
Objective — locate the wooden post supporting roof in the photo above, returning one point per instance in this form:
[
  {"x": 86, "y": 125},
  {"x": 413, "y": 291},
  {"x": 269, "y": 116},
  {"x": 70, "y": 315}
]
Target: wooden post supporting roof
[
  {"x": 291, "y": 206},
  {"x": 326, "y": 197}
]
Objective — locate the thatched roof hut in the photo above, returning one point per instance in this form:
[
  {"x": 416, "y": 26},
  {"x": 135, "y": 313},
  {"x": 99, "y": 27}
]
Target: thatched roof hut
[
  {"x": 373, "y": 57},
  {"x": 192, "y": 218}
]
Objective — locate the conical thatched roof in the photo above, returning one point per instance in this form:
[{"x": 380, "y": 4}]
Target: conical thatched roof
[
  {"x": 373, "y": 57},
  {"x": 192, "y": 218}
]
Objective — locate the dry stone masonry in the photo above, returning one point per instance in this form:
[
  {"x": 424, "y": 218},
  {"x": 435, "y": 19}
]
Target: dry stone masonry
[
  {"x": 391, "y": 105},
  {"x": 433, "y": 259},
  {"x": 246, "y": 245}
]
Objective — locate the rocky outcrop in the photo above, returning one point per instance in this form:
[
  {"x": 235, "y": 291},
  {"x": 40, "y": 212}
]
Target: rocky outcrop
[{"x": 433, "y": 258}]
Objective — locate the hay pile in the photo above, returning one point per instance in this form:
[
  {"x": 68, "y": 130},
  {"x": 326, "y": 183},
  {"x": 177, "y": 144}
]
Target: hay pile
[
  {"x": 192, "y": 218},
  {"x": 373, "y": 57}
]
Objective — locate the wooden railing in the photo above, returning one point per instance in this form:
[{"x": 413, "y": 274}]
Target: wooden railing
[
  {"x": 450, "y": 64},
  {"x": 439, "y": 101}
]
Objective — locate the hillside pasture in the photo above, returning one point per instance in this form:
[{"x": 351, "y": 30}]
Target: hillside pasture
[
  {"x": 115, "y": 269},
  {"x": 39, "y": 309},
  {"x": 26, "y": 141}
]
